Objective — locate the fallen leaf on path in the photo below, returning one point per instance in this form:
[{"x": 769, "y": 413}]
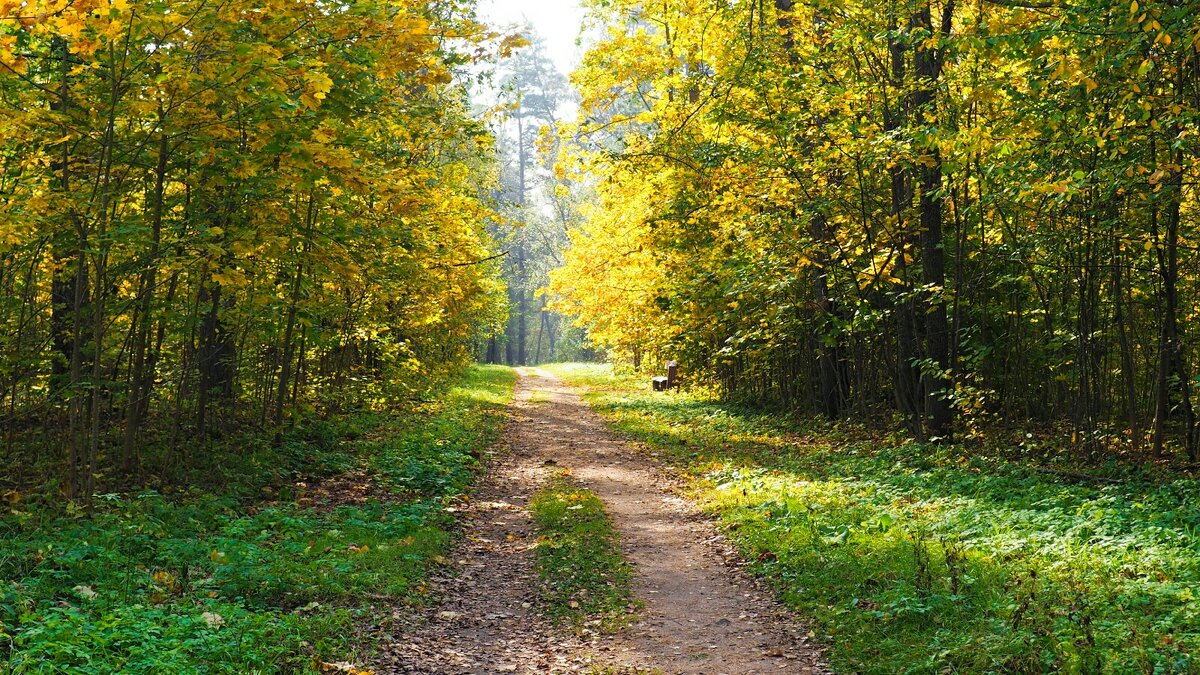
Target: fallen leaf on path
[{"x": 344, "y": 667}]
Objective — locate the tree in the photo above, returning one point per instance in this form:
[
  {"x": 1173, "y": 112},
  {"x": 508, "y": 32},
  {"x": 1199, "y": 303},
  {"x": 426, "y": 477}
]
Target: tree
[
  {"x": 954, "y": 213},
  {"x": 218, "y": 218},
  {"x": 532, "y": 91}
]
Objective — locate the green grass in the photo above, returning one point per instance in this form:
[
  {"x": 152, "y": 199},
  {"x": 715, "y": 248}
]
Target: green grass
[
  {"x": 924, "y": 559},
  {"x": 584, "y": 578},
  {"x": 196, "y": 582}
]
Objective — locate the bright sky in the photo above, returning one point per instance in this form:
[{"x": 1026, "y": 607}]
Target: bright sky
[{"x": 558, "y": 21}]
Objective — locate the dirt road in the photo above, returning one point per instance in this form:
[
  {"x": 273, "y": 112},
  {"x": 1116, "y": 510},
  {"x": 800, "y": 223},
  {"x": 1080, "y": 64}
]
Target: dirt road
[{"x": 701, "y": 615}]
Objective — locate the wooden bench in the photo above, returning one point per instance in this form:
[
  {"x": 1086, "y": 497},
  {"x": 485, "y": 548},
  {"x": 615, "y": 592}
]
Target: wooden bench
[{"x": 671, "y": 381}]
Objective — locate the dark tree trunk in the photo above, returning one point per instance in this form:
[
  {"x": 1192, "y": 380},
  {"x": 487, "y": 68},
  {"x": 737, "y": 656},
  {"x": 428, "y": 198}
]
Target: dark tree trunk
[
  {"x": 938, "y": 386},
  {"x": 1173, "y": 360},
  {"x": 215, "y": 357},
  {"x": 493, "y": 350},
  {"x": 139, "y": 383},
  {"x": 829, "y": 336},
  {"x": 281, "y": 396},
  {"x": 1128, "y": 372},
  {"x": 907, "y": 385},
  {"x": 828, "y": 340}
]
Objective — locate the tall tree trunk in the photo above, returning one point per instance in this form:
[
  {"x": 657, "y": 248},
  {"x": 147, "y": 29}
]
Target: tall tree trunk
[
  {"x": 139, "y": 384},
  {"x": 65, "y": 246},
  {"x": 1174, "y": 359},
  {"x": 288, "y": 346},
  {"x": 68, "y": 291},
  {"x": 1087, "y": 406},
  {"x": 215, "y": 357},
  {"x": 907, "y": 376},
  {"x": 216, "y": 352},
  {"x": 522, "y": 292},
  {"x": 522, "y": 307},
  {"x": 829, "y": 336},
  {"x": 927, "y": 67},
  {"x": 1128, "y": 373},
  {"x": 102, "y": 194},
  {"x": 827, "y": 341},
  {"x": 1162, "y": 389}
]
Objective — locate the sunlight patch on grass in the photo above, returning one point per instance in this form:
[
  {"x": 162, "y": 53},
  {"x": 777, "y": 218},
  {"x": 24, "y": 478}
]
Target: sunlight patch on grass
[{"x": 914, "y": 558}]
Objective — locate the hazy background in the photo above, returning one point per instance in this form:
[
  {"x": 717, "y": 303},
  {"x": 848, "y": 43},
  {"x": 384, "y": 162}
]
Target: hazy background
[{"x": 557, "y": 21}]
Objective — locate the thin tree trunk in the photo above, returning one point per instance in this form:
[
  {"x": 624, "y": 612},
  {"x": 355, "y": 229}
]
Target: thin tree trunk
[
  {"x": 1162, "y": 392},
  {"x": 522, "y": 308},
  {"x": 139, "y": 384},
  {"x": 289, "y": 331},
  {"x": 1128, "y": 374},
  {"x": 537, "y": 356},
  {"x": 1176, "y": 359}
]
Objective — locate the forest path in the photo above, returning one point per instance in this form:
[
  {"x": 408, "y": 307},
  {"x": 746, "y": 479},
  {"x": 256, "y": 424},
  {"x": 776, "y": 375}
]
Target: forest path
[{"x": 701, "y": 614}]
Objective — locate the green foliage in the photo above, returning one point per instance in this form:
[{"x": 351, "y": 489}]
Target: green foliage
[
  {"x": 938, "y": 209},
  {"x": 198, "y": 583},
  {"x": 917, "y": 558},
  {"x": 585, "y": 579},
  {"x": 231, "y": 216}
]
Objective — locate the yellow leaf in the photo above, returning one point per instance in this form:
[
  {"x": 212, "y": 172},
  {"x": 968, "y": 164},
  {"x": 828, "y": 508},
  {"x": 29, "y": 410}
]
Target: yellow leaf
[
  {"x": 927, "y": 161},
  {"x": 245, "y": 170},
  {"x": 316, "y": 86},
  {"x": 512, "y": 43}
]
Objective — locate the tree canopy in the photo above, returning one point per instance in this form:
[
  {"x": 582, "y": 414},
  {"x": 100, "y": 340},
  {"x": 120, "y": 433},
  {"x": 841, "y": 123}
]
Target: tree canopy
[
  {"x": 235, "y": 213},
  {"x": 952, "y": 211}
]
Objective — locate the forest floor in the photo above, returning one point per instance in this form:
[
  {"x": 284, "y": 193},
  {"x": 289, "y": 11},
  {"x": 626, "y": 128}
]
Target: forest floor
[
  {"x": 697, "y": 612},
  {"x": 268, "y": 558}
]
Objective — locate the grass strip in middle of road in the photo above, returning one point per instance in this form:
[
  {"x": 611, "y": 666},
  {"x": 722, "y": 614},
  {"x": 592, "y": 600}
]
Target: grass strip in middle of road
[{"x": 584, "y": 577}]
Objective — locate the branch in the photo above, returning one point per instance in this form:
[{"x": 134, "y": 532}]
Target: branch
[
  {"x": 1027, "y": 4},
  {"x": 473, "y": 262}
]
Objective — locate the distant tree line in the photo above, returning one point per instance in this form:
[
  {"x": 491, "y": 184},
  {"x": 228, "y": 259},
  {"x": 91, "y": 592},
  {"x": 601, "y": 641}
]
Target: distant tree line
[{"x": 538, "y": 207}]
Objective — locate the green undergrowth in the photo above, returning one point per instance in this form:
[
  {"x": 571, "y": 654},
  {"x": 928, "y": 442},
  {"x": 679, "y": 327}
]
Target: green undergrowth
[
  {"x": 197, "y": 582},
  {"x": 584, "y": 578},
  {"x": 925, "y": 559}
]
